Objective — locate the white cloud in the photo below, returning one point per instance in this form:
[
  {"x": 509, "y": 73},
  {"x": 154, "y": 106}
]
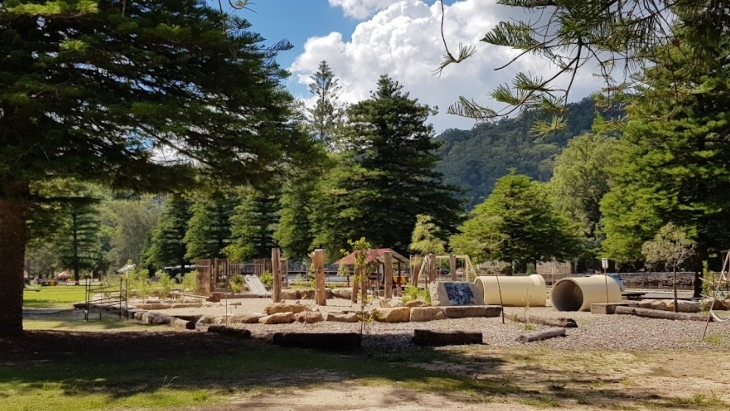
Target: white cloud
[
  {"x": 361, "y": 9},
  {"x": 404, "y": 41}
]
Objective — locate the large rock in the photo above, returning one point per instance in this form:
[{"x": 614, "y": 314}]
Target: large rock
[
  {"x": 427, "y": 314},
  {"x": 684, "y": 306},
  {"x": 391, "y": 303},
  {"x": 278, "y": 318},
  {"x": 206, "y": 319},
  {"x": 338, "y": 316},
  {"x": 716, "y": 303},
  {"x": 309, "y": 317},
  {"x": 645, "y": 304},
  {"x": 307, "y": 294},
  {"x": 290, "y": 294},
  {"x": 472, "y": 311},
  {"x": 457, "y": 293},
  {"x": 248, "y": 318},
  {"x": 393, "y": 315},
  {"x": 416, "y": 303},
  {"x": 342, "y": 292},
  {"x": 284, "y": 308},
  {"x": 659, "y": 305}
]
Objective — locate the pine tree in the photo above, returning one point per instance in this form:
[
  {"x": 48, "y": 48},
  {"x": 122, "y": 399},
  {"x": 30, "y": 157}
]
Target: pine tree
[
  {"x": 387, "y": 177},
  {"x": 143, "y": 95},
  {"x": 326, "y": 117},
  {"x": 209, "y": 228},
  {"x": 516, "y": 224},
  {"x": 253, "y": 224},
  {"x": 425, "y": 237},
  {"x": 167, "y": 247},
  {"x": 294, "y": 231},
  {"x": 78, "y": 244}
]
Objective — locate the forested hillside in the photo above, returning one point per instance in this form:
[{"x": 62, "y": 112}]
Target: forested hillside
[{"x": 474, "y": 159}]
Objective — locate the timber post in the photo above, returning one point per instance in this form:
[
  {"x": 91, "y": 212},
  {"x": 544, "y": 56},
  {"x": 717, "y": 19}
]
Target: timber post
[
  {"x": 276, "y": 274},
  {"x": 388, "y": 284},
  {"x": 319, "y": 280}
]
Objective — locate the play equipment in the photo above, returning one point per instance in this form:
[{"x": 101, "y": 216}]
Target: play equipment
[
  {"x": 578, "y": 293},
  {"x": 517, "y": 291}
]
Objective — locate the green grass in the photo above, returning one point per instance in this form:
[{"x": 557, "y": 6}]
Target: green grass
[
  {"x": 54, "y": 296},
  {"x": 74, "y": 321},
  {"x": 76, "y": 384}
]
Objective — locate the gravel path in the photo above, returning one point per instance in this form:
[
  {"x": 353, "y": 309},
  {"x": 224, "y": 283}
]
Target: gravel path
[{"x": 594, "y": 332}]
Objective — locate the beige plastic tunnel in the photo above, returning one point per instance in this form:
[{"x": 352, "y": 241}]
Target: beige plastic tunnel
[
  {"x": 578, "y": 293},
  {"x": 517, "y": 291}
]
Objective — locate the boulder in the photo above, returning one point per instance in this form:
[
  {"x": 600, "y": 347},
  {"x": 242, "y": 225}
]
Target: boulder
[
  {"x": 309, "y": 317},
  {"x": 342, "y": 292},
  {"x": 716, "y": 304},
  {"x": 206, "y": 319},
  {"x": 393, "y": 315},
  {"x": 289, "y": 294},
  {"x": 284, "y": 308},
  {"x": 472, "y": 311},
  {"x": 338, "y": 316},
  {"x": 307, "y": 294},
  {"x": 645, "y": 304},
  {"x": 278, "y": 318},
  {"x": 659, "y": 305},
  {"x": 685, "y": 306},
  {"x": 219, "y": 320},
  {"x": 248, "y": 318},
  {"x": 416, "y": 303},
  {"x": 396, "y": 302},
  {"x": 426, "y": 314},
  {"x": 457, "y": 293}
]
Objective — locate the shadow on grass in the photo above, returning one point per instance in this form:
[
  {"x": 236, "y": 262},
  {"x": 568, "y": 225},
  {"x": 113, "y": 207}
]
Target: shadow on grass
[{"x": 121, "y": 365}]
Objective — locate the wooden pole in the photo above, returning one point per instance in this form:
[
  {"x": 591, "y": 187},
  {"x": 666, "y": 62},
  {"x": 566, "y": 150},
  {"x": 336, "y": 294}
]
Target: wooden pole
[
  {"x": 276, "y": 274},
  {"x": 285, "y": 272},
  {"x": 452, "y": 266},
  {"x": 388, "y": 263},
  {"x": 431, "y": 267},
  {"x": 319, "y": 280},
  {"x": 414, "y": 269},
  {"x": 355, "y": 285}
]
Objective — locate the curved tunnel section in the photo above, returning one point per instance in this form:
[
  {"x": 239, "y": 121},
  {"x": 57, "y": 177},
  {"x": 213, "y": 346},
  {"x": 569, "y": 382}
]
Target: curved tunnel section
[{"x": 577, "y": 294}]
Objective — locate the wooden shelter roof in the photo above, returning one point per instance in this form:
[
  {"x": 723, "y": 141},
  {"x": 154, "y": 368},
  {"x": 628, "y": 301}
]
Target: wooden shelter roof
[{"x": 373, "y": 254}]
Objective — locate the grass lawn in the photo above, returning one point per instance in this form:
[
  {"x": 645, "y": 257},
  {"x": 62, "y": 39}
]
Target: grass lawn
[{"x": 62, "y": 296}]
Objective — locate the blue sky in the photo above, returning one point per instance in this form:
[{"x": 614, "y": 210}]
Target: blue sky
[{"x": 363, "y": 39}]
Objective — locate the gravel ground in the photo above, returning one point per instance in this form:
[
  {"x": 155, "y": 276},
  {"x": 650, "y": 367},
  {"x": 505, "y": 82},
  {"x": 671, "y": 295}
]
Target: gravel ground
[{"x": 594, "y": 332}]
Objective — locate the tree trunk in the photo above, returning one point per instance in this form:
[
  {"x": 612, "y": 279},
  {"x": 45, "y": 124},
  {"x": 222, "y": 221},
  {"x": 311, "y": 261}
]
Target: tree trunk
[
  {"x": 700, "y": 257},
  {"x": 674, "y": 285},
  {"x": 14, "y": 202}
]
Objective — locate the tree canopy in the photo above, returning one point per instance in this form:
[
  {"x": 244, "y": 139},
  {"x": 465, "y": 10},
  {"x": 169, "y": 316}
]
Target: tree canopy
[{"x": 148, "y": 99}]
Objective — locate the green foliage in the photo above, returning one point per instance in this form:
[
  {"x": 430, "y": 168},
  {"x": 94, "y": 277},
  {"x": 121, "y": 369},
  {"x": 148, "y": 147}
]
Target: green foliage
[
  {"x": 581, "y": 177},
  {"x": 474, "y": 159},
  {"x": 385, "y": 177},
  {"x": 326, "y": 118},
  {"x": 670, "y": 246},
  {"x": 252, "y": 224},
  {"x": 411, "y": 292},
  {"x": 139, "y": 282},
  {"x": 294, "y": 231},
  {"x": 190, "y": 281},
  {"x": 165, "y": 283},
  {"x": 516, "y": 224},
  {"x": 267, "y": 278},
  {"x": 133, "y": 221},
  {"x": 425, "y": 238},
  {"x": 161, "y": 97},
  {"x": 237, "y": 283},
  {"x": 167, "y": 246},
  {"x": 209, "y": 228}
]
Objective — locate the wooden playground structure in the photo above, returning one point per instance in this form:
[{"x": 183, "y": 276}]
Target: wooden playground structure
[{"x": 389, "y": 270}]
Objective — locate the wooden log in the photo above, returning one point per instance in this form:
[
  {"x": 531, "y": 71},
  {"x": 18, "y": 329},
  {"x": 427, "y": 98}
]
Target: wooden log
[
  {"x": 452, "y": 266},
  {"x": 553, "y": 322},
  {"x": 667, "y": 315},
  {"x": 542, "y": 335},
  {"x": 388, "y": 265},
  {"x": 441, "y": 338},
  {"x": 319, "y": 280},
  {"x": 355, "y": 286},
  {"x": 276, "y": 274},
  {"x": 181, "y": 324},
  {"x": 341, "y": 342},
  {"x": 230, "y": 331}
]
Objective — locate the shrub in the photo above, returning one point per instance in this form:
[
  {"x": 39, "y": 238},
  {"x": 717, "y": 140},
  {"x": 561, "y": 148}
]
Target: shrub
[
  {"x": 266, "y": 278},
  {"x": 237, "y": 283},
  {"x": 190, "y": 281},
  {"x": 165, "y": 283}
]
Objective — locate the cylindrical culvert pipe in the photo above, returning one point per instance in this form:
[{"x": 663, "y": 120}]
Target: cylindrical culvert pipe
[
  {"x": 517, "y": 291},
  {"x": 578, "y": 293}
]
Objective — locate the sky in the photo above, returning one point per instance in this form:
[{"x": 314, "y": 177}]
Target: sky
[{"x": 363, "y": 39}]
